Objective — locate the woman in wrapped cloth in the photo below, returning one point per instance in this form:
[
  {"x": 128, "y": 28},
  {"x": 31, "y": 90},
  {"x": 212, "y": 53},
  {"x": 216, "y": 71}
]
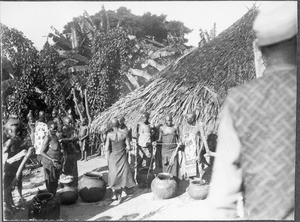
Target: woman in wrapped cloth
[
  {"x": 144, "y": 132},
  {"x": 51, "y": 152},
  {"x": 169, "y": 137},
  {"x": 68, "y": 142},
  {"x": 119, "y": 173}
]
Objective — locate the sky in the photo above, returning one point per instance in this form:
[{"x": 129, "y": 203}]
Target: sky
[{"x": 34, "y": 19}]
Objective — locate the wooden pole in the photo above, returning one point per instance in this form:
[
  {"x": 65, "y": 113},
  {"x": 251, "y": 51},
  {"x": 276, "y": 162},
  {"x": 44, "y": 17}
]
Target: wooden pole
[{"x": 87, "y": 107}]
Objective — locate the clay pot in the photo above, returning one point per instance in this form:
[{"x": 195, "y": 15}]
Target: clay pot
[
  {"x": 144, "y": 178},
  {"x": 197, "y": 189},
  {"x": 91, "y": 187},
  {"x": 68, "y": 195},
  {"x": 164, "y": 186},
  {"x": 44, "y": 206}
]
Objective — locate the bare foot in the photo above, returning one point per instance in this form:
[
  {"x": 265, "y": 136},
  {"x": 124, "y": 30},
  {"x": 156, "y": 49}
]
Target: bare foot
[
  {"x": 114, "y": 197},
  {"x": 119, "y": 198}
]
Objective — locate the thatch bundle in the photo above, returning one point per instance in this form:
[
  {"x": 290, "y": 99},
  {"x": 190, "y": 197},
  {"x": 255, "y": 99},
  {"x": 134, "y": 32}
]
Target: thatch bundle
[{"x": 198, "y": 82}]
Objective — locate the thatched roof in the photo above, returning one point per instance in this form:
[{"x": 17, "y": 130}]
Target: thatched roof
[{"x": 198, "y": 82}]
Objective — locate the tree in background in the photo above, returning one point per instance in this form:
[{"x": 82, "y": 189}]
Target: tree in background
[
  {"x": 148, "y": 25},
  {"x": 104, "y": 83},
  {"x": 95, "y": 60},
  {"x": 50, "y": 85},
  {"x": 23, "y": 57}
]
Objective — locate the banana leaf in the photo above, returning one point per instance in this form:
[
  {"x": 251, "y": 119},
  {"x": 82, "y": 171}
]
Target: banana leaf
[
  {"x": 6, "y": 85},
  {"x": 67, "y": 62},
  {"x": 59, "y": 42},
  {"x": 72, "y": 55},
  {"x": 78, "y": 69},
  {"x": 73, "y": 37}
]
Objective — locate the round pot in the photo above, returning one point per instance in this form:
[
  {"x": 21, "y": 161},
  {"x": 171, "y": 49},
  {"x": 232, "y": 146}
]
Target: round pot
[
  {"x": 68, "y": 195},
  {"x": 44, "y": 206},
  {"x": 91, "y": 187},
  {"x": 197, "y": 189},
  {"x": 144, "y": 177},
  {"x": 164, "y": 186}
]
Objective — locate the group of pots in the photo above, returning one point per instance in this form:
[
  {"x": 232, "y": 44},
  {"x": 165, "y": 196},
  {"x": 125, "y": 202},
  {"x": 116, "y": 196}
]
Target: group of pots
[
  {"x": 91, "y": 188},
  {"x": 164, "y": 185}
]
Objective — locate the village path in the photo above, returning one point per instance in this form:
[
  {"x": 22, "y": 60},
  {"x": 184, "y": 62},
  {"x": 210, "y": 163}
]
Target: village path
[{"x": 139, "y": 205}]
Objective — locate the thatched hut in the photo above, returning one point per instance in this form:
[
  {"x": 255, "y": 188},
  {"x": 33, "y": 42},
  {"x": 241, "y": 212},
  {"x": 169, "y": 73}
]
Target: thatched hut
[{"x": 198, "y": 81}]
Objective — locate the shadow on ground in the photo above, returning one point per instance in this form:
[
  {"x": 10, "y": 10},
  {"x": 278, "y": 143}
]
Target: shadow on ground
[{"x": 84, "y": 211}]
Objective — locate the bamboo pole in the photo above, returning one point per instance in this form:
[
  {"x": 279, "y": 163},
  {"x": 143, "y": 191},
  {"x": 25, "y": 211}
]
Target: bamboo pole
[{"x": 87, "y": 107}]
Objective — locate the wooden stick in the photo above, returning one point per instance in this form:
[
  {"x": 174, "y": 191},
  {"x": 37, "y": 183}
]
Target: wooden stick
[
  {"x": 87, "y": 107},
  {"x": 17, "y": 157}
]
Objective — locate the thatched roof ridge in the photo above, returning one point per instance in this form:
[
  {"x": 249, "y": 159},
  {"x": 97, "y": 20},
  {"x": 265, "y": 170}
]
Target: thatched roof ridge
[
  {"x": 198, "y": 81},
  {"x": 218, "y": 59}
]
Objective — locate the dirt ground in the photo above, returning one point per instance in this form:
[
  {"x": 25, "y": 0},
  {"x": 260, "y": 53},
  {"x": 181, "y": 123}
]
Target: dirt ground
[{"x": 138, "y": 204}]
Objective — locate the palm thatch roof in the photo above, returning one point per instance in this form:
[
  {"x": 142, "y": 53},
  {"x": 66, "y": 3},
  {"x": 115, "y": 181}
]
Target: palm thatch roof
[{"x": 198, "y": 81}]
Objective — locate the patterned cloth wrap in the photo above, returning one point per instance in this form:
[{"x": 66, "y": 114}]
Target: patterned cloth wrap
[{"x": 41, "y": 130}]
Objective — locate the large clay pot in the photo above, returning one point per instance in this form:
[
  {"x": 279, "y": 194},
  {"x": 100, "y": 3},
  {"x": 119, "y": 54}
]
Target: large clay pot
[
  {"x": 164, "y": 186},
  {"x": 91, "y": 187},
  {"x": 44, "y": 206},
  {"x": 198, "y": 189},
  {"x": 144, "y": 177},
  {"x": 68, "y": 195}
]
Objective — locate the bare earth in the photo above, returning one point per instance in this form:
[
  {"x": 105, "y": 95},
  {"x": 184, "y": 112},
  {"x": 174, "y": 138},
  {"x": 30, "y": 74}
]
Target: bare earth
[{"x": 139, "y": 204}]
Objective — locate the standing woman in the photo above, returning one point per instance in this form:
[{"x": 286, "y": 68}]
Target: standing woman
[
  {"x": 119, "y": 174},
  {"x": 69, "y": 145},
  {"x": 52, "y": 156},
  {"x": 169, "y": 137}
]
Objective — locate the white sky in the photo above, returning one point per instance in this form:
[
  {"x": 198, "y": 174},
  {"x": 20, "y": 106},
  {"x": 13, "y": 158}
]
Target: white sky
[{"x": 35, "y": 18}]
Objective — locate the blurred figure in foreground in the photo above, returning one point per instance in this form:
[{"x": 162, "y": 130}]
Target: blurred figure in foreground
[{"x": 257, "y": 133}]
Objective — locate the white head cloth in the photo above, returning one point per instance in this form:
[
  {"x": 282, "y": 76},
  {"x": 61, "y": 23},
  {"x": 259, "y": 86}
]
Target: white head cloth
[{"x": 276, "y": 22}]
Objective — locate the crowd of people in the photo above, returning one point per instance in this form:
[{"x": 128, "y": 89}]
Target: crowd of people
[
  {"x": 58, "y": 142},
  {"x": 254, "y": 157},
  {"x": 55, "y": 144}
]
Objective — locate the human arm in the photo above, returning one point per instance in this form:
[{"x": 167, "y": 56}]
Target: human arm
[
  {"x": 227, "y": 175},
  {"x": 127, "y": 141},
  {"x": 160, "y": 132},
  {"x": 179, "y": 145},
  {"x": 136, "y": 132},
  {"x": 107, "y": 146},
  {"x": 6, "y": 148},
  {"x": 203, "y": 139},
  {"x": 70, "y": 137}
]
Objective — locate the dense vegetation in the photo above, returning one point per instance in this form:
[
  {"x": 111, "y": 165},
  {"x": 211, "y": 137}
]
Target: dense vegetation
[{"x": 93, "y": 53}]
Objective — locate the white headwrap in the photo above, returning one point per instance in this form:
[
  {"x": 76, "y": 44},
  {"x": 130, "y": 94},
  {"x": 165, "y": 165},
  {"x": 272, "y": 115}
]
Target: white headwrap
[{"x": 276, "y": 22}]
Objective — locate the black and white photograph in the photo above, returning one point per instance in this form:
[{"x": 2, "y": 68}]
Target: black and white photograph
[{"x": 148, "y": 110}]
